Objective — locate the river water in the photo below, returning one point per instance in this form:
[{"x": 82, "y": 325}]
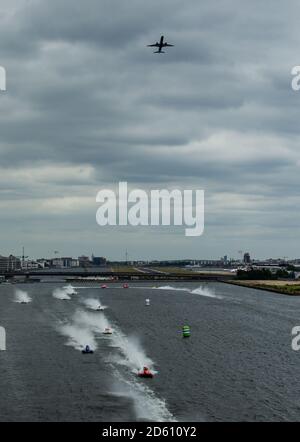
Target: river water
[{"x": 238, "y": 364}]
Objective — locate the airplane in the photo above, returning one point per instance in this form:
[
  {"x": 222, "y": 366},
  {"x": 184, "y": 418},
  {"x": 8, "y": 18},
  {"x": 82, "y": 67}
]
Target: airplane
[{"x": 160, "y": 45}]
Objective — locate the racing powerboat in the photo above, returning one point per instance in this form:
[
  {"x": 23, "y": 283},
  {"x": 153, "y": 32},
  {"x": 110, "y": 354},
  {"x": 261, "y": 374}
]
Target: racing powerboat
[
  {"x": 107, "y": 331},
  {"x": 145, "y": 373},
  {"x": 87, "y": 350}
]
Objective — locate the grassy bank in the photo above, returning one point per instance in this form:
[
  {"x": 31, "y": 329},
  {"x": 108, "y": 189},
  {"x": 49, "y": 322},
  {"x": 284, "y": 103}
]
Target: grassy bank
[{"x": 291, "y": 288}]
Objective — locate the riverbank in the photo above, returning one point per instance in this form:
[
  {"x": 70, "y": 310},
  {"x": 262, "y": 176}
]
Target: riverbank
[{"x": 283, "y": 287}]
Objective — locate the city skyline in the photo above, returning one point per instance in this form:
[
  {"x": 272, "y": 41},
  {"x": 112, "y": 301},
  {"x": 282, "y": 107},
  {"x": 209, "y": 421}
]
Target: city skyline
[{"x": 239, "y": 256}]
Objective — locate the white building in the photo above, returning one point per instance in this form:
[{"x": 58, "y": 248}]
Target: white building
[{"x": 30, "y": 265}]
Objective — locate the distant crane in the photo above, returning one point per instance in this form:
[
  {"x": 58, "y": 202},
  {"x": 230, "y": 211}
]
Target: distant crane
[{"x": 23, "y": 257}]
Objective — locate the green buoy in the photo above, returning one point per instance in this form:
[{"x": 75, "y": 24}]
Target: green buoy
[{"x": 186, "y": 331}]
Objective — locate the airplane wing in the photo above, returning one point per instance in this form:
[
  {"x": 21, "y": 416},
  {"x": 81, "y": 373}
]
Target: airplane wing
[
  {"x": 167, "y": 44},
  {"x": 155, "y": 45}
]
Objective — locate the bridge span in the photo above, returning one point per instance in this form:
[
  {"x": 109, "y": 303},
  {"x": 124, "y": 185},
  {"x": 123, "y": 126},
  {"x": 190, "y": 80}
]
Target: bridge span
[{"x": 115, "y": 275}]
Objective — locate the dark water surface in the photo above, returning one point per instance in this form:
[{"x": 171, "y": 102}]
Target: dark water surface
[{"x": 237, "y": 365}]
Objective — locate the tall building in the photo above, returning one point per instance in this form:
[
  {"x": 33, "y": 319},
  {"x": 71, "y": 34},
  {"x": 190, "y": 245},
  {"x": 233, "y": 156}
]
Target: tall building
[{"x": 247, "y": 259}]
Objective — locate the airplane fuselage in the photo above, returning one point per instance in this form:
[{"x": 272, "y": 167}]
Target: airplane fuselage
[{"x": 161, "y": 44}]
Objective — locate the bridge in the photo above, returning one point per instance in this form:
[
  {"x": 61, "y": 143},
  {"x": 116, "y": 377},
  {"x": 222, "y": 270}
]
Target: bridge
[{"x": 92, "y": 275}]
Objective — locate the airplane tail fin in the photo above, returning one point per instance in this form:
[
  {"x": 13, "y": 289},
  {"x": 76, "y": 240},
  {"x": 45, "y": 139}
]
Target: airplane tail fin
[{"x": 159, "y": 52}]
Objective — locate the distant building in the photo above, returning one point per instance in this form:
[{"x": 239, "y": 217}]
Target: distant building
[
  {"x": 75, "y": 262},
  {"x": 64, "y": 263},
  {"x": 211, "y": 262},
  {"x": 28, "y": 265},
  {"x": 43, "y": 262},
  {"x": 247, "y": 259},
  {"x": 98, "y": 261},
  {"x": 84, "y": 261},
  {"x": 67, "y": 262},
  {"x": 10, "y": 263},
  {"x": 57, "y": 263}
]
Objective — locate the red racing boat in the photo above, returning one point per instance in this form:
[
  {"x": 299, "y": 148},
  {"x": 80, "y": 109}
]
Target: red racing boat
[{"x": 145, "y": 373}]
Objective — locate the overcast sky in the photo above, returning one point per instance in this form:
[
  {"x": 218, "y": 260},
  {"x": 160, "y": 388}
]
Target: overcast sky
[{"x": 88, "y": 105}]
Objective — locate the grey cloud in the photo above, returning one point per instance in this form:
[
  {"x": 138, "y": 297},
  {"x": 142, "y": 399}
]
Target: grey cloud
[{"x": 85, "y": 91}]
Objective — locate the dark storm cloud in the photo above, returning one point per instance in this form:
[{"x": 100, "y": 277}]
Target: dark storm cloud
[{"x": 88, "y": 105}]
